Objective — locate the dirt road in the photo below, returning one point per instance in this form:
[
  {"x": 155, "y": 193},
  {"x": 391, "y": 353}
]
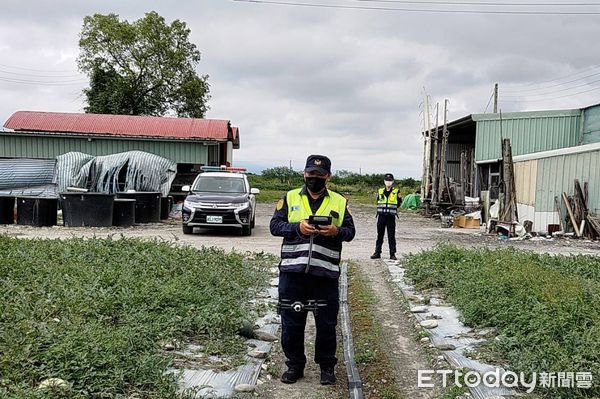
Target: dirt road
[{"x": 414, "y": 233}]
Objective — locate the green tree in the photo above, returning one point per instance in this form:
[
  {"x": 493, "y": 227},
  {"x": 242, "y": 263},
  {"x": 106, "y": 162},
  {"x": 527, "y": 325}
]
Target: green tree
[
  {"x": 283, "y": 174},
  {"x": 146, "y": 67}
]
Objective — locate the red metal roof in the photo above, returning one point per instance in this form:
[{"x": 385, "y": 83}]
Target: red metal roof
[
  {"x": 120, "y": 125},
  {"x": 236, "y": 137}
]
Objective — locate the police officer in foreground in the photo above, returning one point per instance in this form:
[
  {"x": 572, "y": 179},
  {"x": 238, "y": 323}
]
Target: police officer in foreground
[
  {"x": 388, "y": 200},
  {"x": 309, "y": 267}
]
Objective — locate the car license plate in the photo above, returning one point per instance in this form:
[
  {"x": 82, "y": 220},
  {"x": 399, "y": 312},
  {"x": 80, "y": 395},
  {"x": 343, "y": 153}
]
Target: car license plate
[{"x": 214, "y": 219}]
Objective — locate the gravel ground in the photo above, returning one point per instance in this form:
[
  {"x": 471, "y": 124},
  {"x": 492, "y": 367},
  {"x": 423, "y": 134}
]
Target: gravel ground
[{"x": 413, "y": 233}]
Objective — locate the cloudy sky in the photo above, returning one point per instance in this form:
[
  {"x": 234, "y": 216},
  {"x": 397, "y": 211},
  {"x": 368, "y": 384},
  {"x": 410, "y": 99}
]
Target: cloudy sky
[{"x": 348, "y": 83}]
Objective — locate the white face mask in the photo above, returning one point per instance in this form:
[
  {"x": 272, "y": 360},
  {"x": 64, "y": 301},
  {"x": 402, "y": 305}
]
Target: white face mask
[{"x": 388, "y": 184}]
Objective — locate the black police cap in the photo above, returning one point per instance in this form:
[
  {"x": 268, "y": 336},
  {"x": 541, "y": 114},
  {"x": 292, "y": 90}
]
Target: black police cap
[
  {"x": 318, "y": 163},
  {"x": 388, "y": 177}
]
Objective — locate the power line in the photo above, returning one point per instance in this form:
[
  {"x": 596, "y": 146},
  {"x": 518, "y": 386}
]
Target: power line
[
  {"x": 474, "y": 3},
  {"x": 553, "y": 98},
  {"x": 37, "y": 75},
  {"x": 559, "y": 91},
  {"x": 555, "y": 79},
  {"x": 555, "y": 85},
  {"x": 35, "y": 70},
  {"x": 42, "y": 83},
  {"x": 489, "y": 102},
  {"x": 415, "y": 10}
]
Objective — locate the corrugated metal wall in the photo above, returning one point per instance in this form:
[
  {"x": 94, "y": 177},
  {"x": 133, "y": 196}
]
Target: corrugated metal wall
[
  {"x": 591, "y": 125},
  {"x": 555, "y": 175},
  {"x": 525, "y": 181},
  {"x": 528, "y": 132},
  {"x": 453, "y": 151},
  {"x": 44, "y": 147}
]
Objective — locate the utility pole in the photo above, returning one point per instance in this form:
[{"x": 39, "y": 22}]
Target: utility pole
[
  {"x": 442, "y": 177},
  {"x": 496, "y": 98},
  {"x": 426, "y": 150},
  {"x": 435, "y": 173}
]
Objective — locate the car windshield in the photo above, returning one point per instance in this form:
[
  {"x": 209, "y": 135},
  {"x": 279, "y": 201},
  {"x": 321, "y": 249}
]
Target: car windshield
[{"x": 220, "y": 184}]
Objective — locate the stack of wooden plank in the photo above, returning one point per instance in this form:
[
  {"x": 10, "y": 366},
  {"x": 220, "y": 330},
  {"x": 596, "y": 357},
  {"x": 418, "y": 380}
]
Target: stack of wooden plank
[{"x": 584, "y": 224}]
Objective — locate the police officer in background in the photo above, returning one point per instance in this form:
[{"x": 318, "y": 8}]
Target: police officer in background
[
  {"x": 308, "y": 271},
  {"x": 388, "y": 199}
]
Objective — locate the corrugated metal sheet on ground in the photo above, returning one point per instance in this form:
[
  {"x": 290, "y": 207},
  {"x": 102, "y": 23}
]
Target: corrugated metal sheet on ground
[
  {"x": 120, "y": 125},
  {"x": 528, "y": 132},
  {"x": 451, "y": 331}
]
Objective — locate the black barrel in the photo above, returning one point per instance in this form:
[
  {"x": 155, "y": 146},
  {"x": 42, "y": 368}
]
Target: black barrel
[
  {"x": 7, "y": 210},
  {"x": 165, "y": 207},
  {"x": 147, "y": 205},
  {"x": 37, "y": 211},
  {"x": 87, "y": 209},
  {"x": 124, "y": 212}
]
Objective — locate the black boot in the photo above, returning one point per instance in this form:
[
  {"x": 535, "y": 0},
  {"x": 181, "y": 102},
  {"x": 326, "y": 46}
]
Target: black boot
[
  {"x": 327, "y": 376},
  {"x": 292, "y": 375},
  {"x": 376, "y": 255},
  {"x": 393, "y": 257}
]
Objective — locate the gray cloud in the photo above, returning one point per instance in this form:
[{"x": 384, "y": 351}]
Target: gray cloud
[{"x": 297, "y": 81}]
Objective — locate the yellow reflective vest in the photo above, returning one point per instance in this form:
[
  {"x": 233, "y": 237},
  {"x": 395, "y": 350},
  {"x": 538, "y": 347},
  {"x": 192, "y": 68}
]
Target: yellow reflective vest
[
  {"x": 299, "y": 207},
  {"x": 325, "y": 253},
  {"x": 387, "y": 205}
]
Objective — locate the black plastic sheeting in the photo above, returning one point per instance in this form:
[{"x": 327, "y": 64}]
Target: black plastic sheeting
[{"x": 354, "y": 380}]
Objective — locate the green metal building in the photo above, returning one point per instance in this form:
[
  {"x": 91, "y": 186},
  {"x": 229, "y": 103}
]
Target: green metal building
[
  {"x": 550, "y": 150},
  {"x": 528, "y": 132},
  {"x": 189, "y": 142}
]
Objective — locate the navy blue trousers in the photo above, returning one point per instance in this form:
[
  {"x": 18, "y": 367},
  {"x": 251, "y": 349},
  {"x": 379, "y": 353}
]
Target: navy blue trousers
[
  {"x": 303, "y": 287},
  {"x": 386, "y": 222}
]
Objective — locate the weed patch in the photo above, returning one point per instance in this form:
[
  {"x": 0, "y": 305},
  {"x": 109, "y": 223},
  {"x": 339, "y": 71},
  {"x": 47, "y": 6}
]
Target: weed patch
[
  {"x": 546, "y": 308},
  {"x": 375, "y": 367},
  {"x": 98, "y": 313}
]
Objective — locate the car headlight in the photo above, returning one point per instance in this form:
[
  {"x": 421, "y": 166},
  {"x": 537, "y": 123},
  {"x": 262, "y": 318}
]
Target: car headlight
[
  {"x": 242, "y": 206},
  {"x": 189, "y": 204}
]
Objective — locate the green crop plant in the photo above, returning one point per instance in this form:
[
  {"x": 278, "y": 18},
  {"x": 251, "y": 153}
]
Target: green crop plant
[
  {"x": 97, "y": 313},
  {"x": 546, "y": 308}
]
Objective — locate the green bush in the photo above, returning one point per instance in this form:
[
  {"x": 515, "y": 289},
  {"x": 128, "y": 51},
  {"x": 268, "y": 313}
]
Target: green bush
[
  {"x": 98, "y": 312},
  {"x": 546, "y": 308},
  {"x": 360, "y": 188}
]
